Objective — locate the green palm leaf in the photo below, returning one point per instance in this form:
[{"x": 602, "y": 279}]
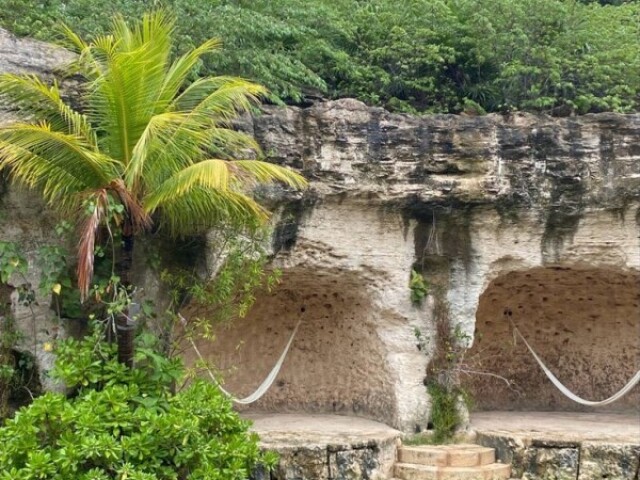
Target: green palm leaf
[
  {"x": 66, "y": 151},
  {"x": 33, "y": 97}
]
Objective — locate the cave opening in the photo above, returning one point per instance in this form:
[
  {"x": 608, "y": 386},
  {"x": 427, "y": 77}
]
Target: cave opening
[
  {"x": 337, "y": 362},
  {"x": 583, "y": 322}
]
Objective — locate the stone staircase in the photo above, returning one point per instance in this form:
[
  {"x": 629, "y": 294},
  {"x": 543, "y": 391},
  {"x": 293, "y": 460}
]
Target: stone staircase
[{"x": 449, "y": 462}]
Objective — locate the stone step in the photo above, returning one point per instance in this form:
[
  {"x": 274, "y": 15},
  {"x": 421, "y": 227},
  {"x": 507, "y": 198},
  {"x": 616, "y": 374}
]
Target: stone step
[
  {"x": 494, "y": 471},
  {"x": 460, "y": 455}
]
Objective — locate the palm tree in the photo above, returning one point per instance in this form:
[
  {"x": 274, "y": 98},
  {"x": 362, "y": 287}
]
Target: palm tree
[{"x": 148, "y": 147}]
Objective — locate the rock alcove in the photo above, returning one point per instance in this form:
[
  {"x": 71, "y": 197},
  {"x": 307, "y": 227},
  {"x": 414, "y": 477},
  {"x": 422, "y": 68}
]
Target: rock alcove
[
  {"x": 583, "y": 323},
  {"x": 336, "y": 363}
]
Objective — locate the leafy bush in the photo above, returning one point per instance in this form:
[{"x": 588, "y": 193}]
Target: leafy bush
[
  {"x": 123, "y": 423},
  {"x": 418, "y": 286},
  {"x": 445, "y": 414},
  {"x": 557, "y": 56}
]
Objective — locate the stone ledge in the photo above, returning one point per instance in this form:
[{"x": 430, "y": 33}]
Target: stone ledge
[
  {"x": 543, "y": 458},
  {"x": 326, "y": 447}
]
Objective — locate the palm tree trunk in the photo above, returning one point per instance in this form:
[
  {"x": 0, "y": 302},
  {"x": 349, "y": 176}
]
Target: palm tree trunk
[{"x": 124, "y": 324}]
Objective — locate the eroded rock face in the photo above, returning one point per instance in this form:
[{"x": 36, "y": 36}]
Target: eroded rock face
[
  {"x": 356, "y": 351},
  {"x": 574, "y": 318},
  {"x": 24, "y": 219},
  {"x": 598, "y": 460},
  {"x": 23, "y": 55},
  {"x": 465, "y": 200},
  {"x": 524, "y": 160},
  {"x": 25, "y": 222},
  {"x": 481, "y": 198}
]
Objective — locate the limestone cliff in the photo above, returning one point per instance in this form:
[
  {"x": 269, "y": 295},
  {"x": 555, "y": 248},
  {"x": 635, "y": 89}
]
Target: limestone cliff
[
  {"x": 519, "y": 160},
  {"x": 488, "y": 208}
]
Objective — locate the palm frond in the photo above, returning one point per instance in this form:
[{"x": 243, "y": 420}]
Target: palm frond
[
  {"x": 229, "y": 184},
  {"x": 203, "y": 209},
  {"x": 225, "y": 103},
  {"x": 35, "y": 98},
  {"x": 85, "y": 63},
  {"x": 71, "y": 40},
  {"x": 155, "y": 29},
  {"x": 66, "y": 151},
  {"x": 229, "y": 144},
  {"x": 178, "y": 74},
  {"x": 125, "y": 97},
  {"x": 170, "y": 137},
  {"x": 265, "y": 172},
  {"x": 58, "y": 184},
  {"x": 87, "y": 240},
  {"x": 212, "y": 174}
]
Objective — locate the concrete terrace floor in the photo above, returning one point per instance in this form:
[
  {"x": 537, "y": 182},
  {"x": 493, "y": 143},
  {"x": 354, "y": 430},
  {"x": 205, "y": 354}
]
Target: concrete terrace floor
[
  {"x": 311, "y": 430},
  {"x": 561, "y": 426}
]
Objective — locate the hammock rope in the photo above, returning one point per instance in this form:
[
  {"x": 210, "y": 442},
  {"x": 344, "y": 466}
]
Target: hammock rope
[
  {"x": 267, "y": 382},
  {"x": 568, "y": 393}
]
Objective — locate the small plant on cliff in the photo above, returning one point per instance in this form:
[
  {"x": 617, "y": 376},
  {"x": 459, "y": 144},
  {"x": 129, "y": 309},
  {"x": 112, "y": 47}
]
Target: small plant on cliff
[
  {"x": 445, "y": 411},
  {"x": 419, "y": 287},
  {"x": 448, "y": 347},
  {"x": 125, "y": 423}
]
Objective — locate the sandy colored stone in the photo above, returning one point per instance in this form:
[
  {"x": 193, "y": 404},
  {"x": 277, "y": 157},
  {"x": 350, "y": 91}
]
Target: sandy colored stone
[
  {"x": 356, "y": 351},
  {"x": 324, "y": 447},
  {"x": 608, "y": 460},
  {"x": 567, "y": 427},
  {"x": 457, "y": 455},
  {"x": 553, "y": 445},
  {"x": 435, "y": 457},
  {"x": 353, "y": 150},
  {"x": 424, "y": 472}
]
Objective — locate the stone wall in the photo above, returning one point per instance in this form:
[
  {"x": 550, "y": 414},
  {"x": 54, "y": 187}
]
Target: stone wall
[
  {"x": 466, "y": 200},
  {"x": 23, "y": 217}
]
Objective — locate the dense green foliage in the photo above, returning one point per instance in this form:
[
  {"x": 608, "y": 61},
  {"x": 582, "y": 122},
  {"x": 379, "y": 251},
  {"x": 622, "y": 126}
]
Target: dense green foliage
[
  {"x": 558, "y": 56},
  {"x": 125, "y": 423},
  {"x": 445, "y": 412}
]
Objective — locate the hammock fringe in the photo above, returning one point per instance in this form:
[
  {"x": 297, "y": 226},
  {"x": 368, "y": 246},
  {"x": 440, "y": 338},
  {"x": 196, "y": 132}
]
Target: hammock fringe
[
  {"x": 267, "y": 382},
  {"x": 568, "y": 393}
]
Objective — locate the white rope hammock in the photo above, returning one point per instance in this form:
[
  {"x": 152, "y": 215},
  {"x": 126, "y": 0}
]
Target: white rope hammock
[
  {"x": 264, "y": 386},
  {"x": 566, "y": 392}
]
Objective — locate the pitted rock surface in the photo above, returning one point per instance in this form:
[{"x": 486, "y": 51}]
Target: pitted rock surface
[{"x": 349, "y": 149}]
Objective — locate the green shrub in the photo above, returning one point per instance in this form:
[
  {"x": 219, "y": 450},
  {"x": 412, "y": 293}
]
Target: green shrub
[
  {"x": 419, "y": 287},
  {"x": 557, "y": 56},
  {"x": 122, "y": 423},
  {"x": 428, "y": 56},
  {"x": 445, "y": 415}
]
